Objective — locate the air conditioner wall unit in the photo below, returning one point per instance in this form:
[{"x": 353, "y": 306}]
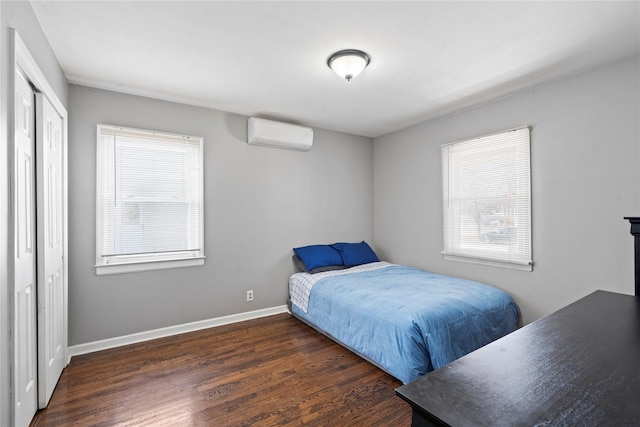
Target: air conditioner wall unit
[{"x": 280, "y": 135}]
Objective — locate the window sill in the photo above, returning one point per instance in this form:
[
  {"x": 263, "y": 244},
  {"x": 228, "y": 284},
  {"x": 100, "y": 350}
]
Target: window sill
[
  {"x": 133, "y": 267},
  {"x": 485, "y": 261}
]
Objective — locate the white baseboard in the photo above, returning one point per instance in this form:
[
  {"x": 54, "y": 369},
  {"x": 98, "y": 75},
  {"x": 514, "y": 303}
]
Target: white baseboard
[{"x": 76, "y": 350}]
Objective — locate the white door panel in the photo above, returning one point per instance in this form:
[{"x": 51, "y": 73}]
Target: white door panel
[
  {"x": 51, "y": 336},
  {"x": 25, "y": 350}
]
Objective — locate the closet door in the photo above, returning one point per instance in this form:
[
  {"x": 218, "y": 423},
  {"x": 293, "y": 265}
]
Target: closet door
[
  {"x": 49, "y": 243},
  {"x": 25, "y": 329}
]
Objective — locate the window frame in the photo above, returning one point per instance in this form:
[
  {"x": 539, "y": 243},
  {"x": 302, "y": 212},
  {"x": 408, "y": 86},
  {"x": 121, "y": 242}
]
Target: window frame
[
  {"x": 517, "y": 253},
  {"x": 105, "y": 175}
]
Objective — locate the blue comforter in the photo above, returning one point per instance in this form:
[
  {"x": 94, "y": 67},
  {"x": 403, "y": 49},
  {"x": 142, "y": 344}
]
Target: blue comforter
[{"x": 409, "y": 321}]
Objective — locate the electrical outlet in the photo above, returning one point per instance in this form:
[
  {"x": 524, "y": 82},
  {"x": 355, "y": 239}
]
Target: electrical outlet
[{"x": 249, "y": 295}]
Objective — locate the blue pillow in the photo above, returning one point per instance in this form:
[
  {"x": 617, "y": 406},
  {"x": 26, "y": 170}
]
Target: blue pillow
[
  {"x": 355, "y": 253},
  {"x": 315, "y": 256}
]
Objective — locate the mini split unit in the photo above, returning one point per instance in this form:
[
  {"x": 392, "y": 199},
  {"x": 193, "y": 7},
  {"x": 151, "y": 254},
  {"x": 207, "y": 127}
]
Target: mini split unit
[{"x": 280, "y": 135}]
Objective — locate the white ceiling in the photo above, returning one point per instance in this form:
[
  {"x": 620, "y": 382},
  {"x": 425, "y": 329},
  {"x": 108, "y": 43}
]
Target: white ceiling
[{"x": 268, "y": 58}]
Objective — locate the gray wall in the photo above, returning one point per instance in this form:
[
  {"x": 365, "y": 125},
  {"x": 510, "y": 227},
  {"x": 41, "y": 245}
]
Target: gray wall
[
  {"x": 20, "y": 16},
  {"x": 259, "y": 203},
  {"x": 585, "y": 179}
]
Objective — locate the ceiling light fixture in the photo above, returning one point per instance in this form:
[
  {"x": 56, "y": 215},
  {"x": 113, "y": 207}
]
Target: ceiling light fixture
[{"x": 348, "y": 63}]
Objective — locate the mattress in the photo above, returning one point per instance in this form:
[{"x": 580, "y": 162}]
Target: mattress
[{"x": 405, "y": 320}]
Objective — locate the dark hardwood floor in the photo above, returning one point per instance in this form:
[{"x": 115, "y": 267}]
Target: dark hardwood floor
[{"x": 273, "y": 371}]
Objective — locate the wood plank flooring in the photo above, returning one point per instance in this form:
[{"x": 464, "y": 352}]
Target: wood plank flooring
[{"x": 273, "y": 371}]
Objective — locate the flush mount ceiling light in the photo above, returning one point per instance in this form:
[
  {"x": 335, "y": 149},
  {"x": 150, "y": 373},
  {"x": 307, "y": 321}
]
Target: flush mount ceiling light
[{"x": 348, "y": 63}]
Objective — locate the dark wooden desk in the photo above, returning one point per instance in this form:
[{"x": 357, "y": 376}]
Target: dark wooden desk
[{"x": 579, "y": 366}]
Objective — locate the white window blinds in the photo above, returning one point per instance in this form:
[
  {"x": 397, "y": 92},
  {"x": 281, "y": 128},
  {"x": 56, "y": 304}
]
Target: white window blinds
[
  {"x": 149, "y": 198},
  {"x": 487, "y": 199}
]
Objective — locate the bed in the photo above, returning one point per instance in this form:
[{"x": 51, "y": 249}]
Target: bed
[{"x": 404, "y": 320}]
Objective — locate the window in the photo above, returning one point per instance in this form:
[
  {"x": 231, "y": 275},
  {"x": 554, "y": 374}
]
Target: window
[
  {"x": 487, "y": 200},
  {"x": 149, "y": 200}
]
